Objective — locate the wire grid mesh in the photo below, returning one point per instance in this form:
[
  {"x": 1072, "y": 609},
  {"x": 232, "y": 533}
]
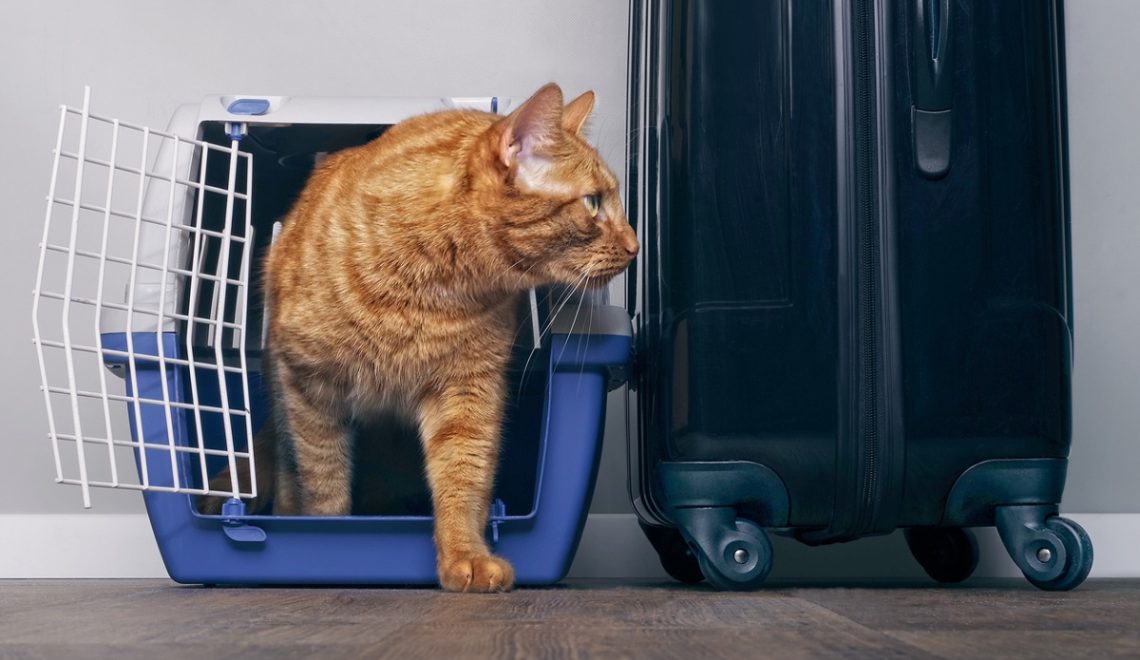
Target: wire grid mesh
[{"x": 143, "y": 271}]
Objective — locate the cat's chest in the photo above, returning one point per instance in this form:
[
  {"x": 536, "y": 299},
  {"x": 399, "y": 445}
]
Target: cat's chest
[
  {"x": 414, "y": 345},
  {"x": 421, "y": 357},
  {"x": 384, "y": 353}
]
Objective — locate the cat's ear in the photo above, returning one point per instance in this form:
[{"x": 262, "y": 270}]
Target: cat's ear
[
  {"x": 576, "y": 113},
  {"x": 535, "y": 123}
]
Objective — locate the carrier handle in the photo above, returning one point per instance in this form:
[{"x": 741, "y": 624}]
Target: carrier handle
[{"x": 932, "y": 85}]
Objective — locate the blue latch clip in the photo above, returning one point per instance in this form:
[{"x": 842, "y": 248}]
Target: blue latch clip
[
  {"x": 233, "y": 510},
  {"x": 248, "y": 107}
]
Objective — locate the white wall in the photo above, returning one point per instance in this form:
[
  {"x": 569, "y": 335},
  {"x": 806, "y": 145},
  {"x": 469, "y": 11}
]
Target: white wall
[{"x": 144, "y": 58}]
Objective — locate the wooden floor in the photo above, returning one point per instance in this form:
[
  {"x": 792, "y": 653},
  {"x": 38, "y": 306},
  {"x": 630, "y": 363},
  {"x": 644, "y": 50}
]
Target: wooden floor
[{"x": 158, "y": 619}]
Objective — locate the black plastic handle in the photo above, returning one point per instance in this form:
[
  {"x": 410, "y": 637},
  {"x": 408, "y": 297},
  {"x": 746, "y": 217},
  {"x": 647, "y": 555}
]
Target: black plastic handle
[{"x": 932, "y": 85}]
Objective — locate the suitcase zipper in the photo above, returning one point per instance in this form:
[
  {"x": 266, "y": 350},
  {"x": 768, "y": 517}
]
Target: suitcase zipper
[
  {"x": 861, "y": 448},
  {"x": 868, "y": 310},
  {"x": 863, "y": 445}
]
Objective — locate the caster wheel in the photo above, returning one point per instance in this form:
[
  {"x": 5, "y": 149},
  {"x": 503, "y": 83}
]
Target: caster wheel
[
  {"x": 1075, "y": 554},
  {"x": 949, "y": 555},
  {"x": 744, "y": 562},
  {"x": 676, "y": 557}
]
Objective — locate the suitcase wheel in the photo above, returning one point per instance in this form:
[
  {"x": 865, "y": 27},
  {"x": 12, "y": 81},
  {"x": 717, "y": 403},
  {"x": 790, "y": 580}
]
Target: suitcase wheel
[
  {"x": 1077, "y": 556},
  {"x": 743, "y": 561},
  {"x": 677, "y": 558},
  {"x": 947, "y": 554},
  {"x": 1053, "y": 553}
]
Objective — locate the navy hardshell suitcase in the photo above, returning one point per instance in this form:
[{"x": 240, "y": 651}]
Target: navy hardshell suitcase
[{"x": 853, "y": 305}]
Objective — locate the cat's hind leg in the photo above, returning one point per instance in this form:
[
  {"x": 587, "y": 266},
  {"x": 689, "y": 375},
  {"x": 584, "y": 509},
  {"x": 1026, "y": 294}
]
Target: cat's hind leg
[{"x": 322, "y": 452}]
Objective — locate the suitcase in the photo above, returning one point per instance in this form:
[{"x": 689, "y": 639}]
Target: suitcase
[{"x": 853, "y": 306}]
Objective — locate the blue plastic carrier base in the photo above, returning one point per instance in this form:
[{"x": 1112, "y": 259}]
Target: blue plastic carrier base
[{"x": 552, "y": 444}]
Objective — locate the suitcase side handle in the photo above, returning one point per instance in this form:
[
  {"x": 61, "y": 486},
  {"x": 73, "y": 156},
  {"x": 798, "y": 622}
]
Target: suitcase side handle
[{"x": 932, "y": 88}]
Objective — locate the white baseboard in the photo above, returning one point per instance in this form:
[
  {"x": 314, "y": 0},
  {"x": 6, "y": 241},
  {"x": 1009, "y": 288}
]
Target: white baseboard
[
  {"x": 81, "y": 545},
  {"x": 122, "y": 546}
]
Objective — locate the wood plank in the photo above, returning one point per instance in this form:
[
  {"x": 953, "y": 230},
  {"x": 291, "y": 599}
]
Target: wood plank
[
  {"x": 1014, "y": 644},
  {"x": 999, "y": 605},
  {"x": 156, "y": 618}
]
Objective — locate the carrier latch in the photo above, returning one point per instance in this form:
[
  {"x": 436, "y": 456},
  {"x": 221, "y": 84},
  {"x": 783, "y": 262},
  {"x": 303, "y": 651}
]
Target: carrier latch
[{"x": 232, "y": 513}]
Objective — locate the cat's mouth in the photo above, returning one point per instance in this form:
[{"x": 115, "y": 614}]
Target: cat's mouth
[{"x": 598, "y": 280}]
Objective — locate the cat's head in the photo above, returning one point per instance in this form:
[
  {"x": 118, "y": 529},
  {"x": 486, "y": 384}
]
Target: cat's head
[{"x": 559, "y": 215}]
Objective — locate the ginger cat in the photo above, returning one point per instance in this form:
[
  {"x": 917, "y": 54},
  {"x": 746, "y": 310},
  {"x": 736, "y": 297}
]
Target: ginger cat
[{"x": 393, "y": 287}]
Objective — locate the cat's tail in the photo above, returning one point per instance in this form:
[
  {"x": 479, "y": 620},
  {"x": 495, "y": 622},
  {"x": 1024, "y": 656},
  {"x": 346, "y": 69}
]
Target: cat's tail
[{"x": 265, "y": 458}]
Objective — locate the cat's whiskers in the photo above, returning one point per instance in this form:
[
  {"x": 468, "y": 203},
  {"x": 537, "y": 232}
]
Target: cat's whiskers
[
  {"x": 563, "y": 301},
  {"x": 526, "y": 319},
  {"x": 549, "y": 324},
  {"x": 574, "y": 321},
  {"x": 581, "y": 345},
  {"x": 534, "y": 348},
  {"x": 520, "y": 260},
  {"x": 519, "y": 278}
]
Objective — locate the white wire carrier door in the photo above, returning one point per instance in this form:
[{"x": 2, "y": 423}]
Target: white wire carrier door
[{"x": 144, "y": 271}]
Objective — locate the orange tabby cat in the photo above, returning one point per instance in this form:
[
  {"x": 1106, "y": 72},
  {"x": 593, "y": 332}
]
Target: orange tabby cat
[{"x": 393, "y": 287}]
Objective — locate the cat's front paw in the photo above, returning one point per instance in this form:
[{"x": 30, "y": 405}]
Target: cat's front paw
[{"x": 476, "y": 573}]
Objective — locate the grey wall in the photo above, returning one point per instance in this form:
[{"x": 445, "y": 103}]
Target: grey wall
[
  {"x": 142, "y": 59},
  {"x": 1104, "y": 162}
]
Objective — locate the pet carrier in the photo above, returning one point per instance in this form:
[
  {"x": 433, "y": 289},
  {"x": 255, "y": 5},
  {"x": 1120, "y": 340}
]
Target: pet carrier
[{"x": 149, "y": 266}]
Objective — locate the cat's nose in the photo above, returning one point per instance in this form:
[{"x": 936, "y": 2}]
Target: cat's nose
[{"x": 630, "y": 245}]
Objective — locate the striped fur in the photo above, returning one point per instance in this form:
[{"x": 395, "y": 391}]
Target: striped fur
[{"x": 393, "y": 287}]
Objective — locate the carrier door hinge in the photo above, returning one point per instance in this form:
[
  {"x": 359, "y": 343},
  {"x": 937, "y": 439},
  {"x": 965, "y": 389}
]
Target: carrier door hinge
[
  {"x": 235, "y": 528},
  {"x": 236, "y": 130}
]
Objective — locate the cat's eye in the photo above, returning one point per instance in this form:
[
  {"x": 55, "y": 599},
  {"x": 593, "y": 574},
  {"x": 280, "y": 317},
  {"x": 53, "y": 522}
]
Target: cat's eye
[{"x": 592, "y": 203}]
